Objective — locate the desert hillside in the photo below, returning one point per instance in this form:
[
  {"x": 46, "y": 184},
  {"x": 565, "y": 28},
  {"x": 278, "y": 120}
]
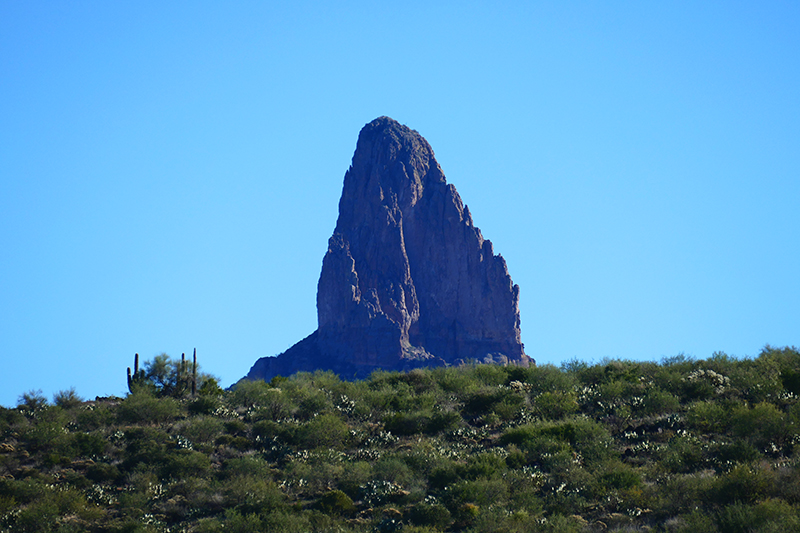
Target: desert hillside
[{"x": 681, "y": 445}]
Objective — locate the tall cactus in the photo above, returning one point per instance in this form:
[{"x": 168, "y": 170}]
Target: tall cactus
[
  {"x": 138, "y": 376},
  {"x": 194, "y": 373},
  {"x": 181, "y": 385}
]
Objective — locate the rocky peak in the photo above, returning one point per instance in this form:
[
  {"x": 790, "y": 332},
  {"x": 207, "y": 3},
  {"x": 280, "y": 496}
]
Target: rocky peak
[{"x": 407, "y": 279}]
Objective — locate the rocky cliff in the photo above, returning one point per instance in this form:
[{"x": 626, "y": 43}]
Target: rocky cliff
[{"x": 407, "y": 280}]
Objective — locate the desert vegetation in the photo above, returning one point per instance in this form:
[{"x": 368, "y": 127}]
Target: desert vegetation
[{"x": 681, "y": 445}]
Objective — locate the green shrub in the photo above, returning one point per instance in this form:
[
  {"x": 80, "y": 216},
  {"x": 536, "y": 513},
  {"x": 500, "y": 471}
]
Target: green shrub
[
  {"x": 209, "y": 525},
  {"x": 143, "y": 408},
  {"x": 421, "y": 422},
  {"x": 669, "y": 376},
  {"x": 7, "y": 504},
  {"x": 548, "y": 453},
  {"x": 249, "y": 465},
  {"x": 399, "y": 396},
  {"x": 354, "y": 475},
  {"x": 266, "y": 430},
  {"x": 465, "y": 515},
  {"x": 555, "y": 405},
  {"x": 708, "y": 417},
  {"x": 9, "y": 418},
  {"x": 725, "y": 453},
  {"x": 501, "y": 401},
  {"x": 94, "y": 416},
  {"x": 274, "y": 405},
  {"x": 695, "y": 521},
  {"x": 454, "y": 380},
  {"x": 39, "y": 517},
  {"x": 564, "y": 524},
  {"x": 327, "y": 431},
  {"x": 406, "y": 423},
  {"x": 248, "y": 393},
  {"x": 103, "y": 473},
  {"x": 420, "y": 380},
  {"x": 47, "y": 513},
  {"x": 201, "y": 429},
  {"x": 304, "y": 394},
  {"x": 656, "y": 401},
  {"x": 238, "y": 443},
  {"x": 769, "y": 516},
  {"x": 590, "y": 439},
  {"x": 582, "y": 372},
  {"x": 67, "y": 399},
  {"x": 394, "y": 470},
  {"x": 145, "y": 446},
  {"x": 744, "y": 483},
  {"x": 313, "y": 473},
  {"x": 432, "y": 515},
  {"x": 23, "y": 491},
  {"x": 683, "y": 454},
  {"x": 444, "y": 474},
  {"x": 516, "y": 458},
  {"x": 236, "y": 427},
  {"x": 31, "y": 402},
  {"x": 617, "y": 475},
  {"x": 236, "y": 522},
  {"x": 519, "y": 373},
  {"x": 182, "y": 463},
  {"x": 204, "y": 405},
  {"x": 208, "y": 386},
  {"x": 763, "y": 425},
  {"x": 249, "y": 494},
  {"x": 525, "y": 486},
  {"x": 484, "y": 465},
  {"x": 757, "y": 380},
  {"x": 679, "y": 494},
  {"x": 336, "y": 502},
  {"x": 47, "y": 432},
  {"x": 490, "y": 375},
  {"x": 285, "y": 522},
  {"x": 480, "y": 492},
  {"x": 443, "y": 421},
  {"x": 84, "y": 444},
  {"x": 549, "y": 378}
]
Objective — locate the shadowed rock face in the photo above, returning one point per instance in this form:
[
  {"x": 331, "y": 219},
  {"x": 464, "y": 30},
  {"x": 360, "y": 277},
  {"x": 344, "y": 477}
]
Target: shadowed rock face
[{"x": 407, "y": 280}]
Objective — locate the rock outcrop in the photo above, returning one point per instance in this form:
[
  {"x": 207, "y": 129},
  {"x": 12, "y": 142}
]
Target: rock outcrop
[{"x": 407, "y": 280}]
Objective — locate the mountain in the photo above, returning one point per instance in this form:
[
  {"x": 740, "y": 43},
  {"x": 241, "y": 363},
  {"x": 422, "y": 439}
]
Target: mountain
[{"x": 408, "y": 280}]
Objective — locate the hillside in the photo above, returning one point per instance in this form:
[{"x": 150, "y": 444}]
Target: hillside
[{"x": 682, "y": 445}]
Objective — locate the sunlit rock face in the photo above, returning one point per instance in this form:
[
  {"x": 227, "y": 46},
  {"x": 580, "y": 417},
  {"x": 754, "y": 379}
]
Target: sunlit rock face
[{"x": 407, "y": 280}]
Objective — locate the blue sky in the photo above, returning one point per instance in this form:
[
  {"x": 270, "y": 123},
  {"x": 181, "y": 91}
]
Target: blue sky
[{"x": 170, "y": 172}]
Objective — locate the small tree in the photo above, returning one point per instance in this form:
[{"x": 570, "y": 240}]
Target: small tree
[
  {"x": 67, "y": 398},
  {"x": 165, "y": 376},
  {"x": 31, "y": 402}
]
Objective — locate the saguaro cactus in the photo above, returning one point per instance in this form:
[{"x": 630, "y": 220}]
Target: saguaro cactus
[
  {"x": 194, "y": 373},
  {"x": 138, "y": 376}
]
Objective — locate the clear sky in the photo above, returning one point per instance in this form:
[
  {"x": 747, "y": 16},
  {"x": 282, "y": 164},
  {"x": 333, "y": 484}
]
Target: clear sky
[{"x": 170, "y": 171}]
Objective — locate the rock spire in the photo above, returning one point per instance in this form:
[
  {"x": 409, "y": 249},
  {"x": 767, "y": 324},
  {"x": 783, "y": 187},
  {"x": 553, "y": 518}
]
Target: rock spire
[{"x": 407, "y": 280}]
